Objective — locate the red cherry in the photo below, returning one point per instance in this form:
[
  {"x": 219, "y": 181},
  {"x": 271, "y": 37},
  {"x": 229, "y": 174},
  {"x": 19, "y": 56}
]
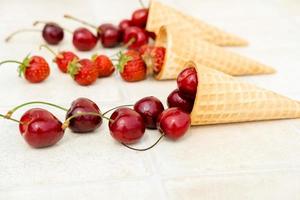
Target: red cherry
[
  {"x": 187, "y": 82},
  {"x": 40, "y": 128},
  {"x": 84, "y": 123},
  {"x": 84, "y": 40},
  {"x": 135, "y": 37},
  {"x": 151, "y": 35},
  {"x": 139, "y": 17},
  {"x": 53, "y": 33},
  {"x": 149, "y": 108},
  {"x": 176, "y": 100},
  {"x": 174, "y": 123},
  {"x": 110, "y": 35},
  {"x": 124, "y": 24},
  {"x": 126, "y": 125}
]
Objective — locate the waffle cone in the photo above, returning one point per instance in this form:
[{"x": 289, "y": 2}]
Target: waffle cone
[
  {"x": 160, "y": 15},
  {"x": 181, "y": 48},
  {"x": 223, "y": 99}
]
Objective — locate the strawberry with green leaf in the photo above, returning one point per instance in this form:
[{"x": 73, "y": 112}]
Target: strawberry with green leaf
[
  {"x": 83, "y": 71},
  {"x": 35, "y": 69},
  {"x": 131, "y": 66},
  {"x": 154, "y": 57}
]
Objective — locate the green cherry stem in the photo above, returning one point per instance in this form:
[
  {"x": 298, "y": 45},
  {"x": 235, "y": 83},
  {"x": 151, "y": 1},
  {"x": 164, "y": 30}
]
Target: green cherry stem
[
  {"x": 51, "y": 51},
  {"x": 45, "y": 22},
  {"x": 142, "y": 4},
  {"x": 11, "y": 61},
  {"x": 67, "y": 121},
  {"x": 129, "y": 105},
  {"x": 11, "y": 119},
  {"x": 80, "y": 21},
  {"x": 20, "y": 31},
  {"x": 145, "y": 149},
  {"x": 11, "y": 112}
]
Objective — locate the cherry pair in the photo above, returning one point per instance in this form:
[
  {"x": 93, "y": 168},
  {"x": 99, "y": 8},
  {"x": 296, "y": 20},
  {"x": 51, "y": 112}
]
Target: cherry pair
[{"x": 184, "y": 96}]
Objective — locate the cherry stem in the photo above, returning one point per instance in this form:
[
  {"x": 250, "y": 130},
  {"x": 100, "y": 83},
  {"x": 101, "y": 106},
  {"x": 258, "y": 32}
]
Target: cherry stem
[
  {"x": 45, "y": 22},
  {"x": 80, "y": 21},
  {"x": 67, "y": 121},
  {"x": 145, "y": 149},
  {"x": 11, "y": 61},
  {"x": 11, "y": 119},
  {"x": 142, "y": 3},
  {"x": 49, "y": 49},
  {"x": 11, "y": 112},
  {"x": 115, "y": 108},
  {"x": 20, "y": 31},
  {"x": 130, "y": 42}
]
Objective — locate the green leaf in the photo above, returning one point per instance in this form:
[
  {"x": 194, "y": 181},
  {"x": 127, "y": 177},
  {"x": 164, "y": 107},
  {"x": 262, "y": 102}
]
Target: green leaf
[
  {"x": 24, "y": 65},
  {"x": 73, "y": 67},
  {"x": 94, "y": 56},
  {"x": 123, "y": 60}
]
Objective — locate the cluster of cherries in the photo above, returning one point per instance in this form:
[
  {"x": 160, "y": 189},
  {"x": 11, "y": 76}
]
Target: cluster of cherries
[
  {"x": 133, "y": 65},
  {"x": 40, "y": 128},
  {"x": 130, "y": 32}
]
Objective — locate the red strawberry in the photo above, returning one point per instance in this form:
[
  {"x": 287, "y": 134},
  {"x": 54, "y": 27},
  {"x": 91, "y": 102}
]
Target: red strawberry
[
  {"x": 83, "y": 71},
  {"x": 154, "y": 57},
  {"x": 131, "y": 66},
  {"x": 35, "y": 68},
  {"x": 63, "y": 59},
  {"x": 104, "y": 65}
]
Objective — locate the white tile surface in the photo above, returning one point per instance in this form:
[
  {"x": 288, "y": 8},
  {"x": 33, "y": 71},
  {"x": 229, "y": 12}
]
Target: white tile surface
[{"x": 238, "y": 161}]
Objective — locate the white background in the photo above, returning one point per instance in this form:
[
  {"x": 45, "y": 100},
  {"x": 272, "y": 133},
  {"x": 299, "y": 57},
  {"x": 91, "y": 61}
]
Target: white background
[{"x": 236, "y": 161}]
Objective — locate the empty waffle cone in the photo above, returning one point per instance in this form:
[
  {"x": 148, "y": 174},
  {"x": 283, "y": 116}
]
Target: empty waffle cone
[
  {"x": 181, "y": 48},
  {"x": 223, "y": 99},
  {"x": 160, "y": 15}
]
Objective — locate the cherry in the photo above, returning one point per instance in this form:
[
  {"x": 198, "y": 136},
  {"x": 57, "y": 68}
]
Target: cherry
[
  {"x": 84, "y": 123},
  {"x": 84, "y": 40},
  {"x": 139, "y": 17},
  {"x": 40, "y": 128},
  {"x": 187, "y": 82},
  {"x": 135, "y": 37},
  {"x": 62, "y": 59},
  {"x": 176, "y": 100},
  {"x": 149, "y": 108},
  {"x": 174, "y": 123},
  {"x": 124, "y": 24},
  {"x": 34, "y": 68},
  {"x": 126, "y": 125},
  {"x": 51, "y": 32},
  {"x": 109, "y": 34}
]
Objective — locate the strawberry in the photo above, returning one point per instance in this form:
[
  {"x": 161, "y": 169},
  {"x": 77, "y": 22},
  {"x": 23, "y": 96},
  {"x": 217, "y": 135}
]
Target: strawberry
[
  {"x": 35, "y": 68},
  {"x": 131, "y": 66},
  {"x": 104, "y": 65},
  {"x": 153, "y": 57},
  {"x": 63, "y": 59},
  {"x": 83, "y": 71}
]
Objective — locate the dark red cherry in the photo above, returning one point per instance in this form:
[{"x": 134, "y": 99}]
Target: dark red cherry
[
  {"x": 109, "y": 35},
  {"x": 187, "y": 82},
  {"x": 84, "y": 123},
  {"x": 135, "y": 37},
  {"x": 139, "y": 17},
  {"x": 84, "y": 40},
  {"x": 149, "y": 108},
  {"x": 176, "y": 100},
  {"x": 174, "y": 123},
  {"x": 52, "y": 33},
  {"x": 126, "y": 125},
  {"x": 40, "y": 128},
  {"x": 124, "y": 24}
]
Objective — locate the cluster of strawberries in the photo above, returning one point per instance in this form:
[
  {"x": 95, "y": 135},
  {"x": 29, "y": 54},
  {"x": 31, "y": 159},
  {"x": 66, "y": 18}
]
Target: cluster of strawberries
[{"x": 132, "y": 65}]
